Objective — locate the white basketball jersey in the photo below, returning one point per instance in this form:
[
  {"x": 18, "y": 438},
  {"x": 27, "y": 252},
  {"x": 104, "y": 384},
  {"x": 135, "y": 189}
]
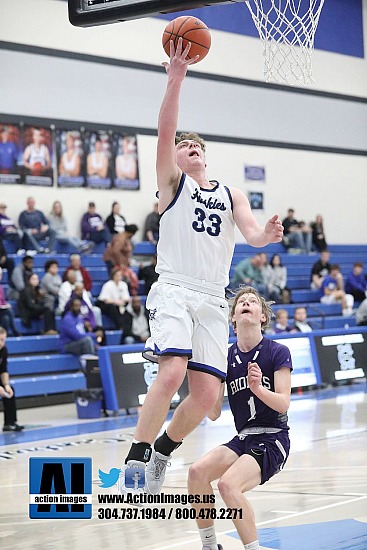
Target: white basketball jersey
[{"x": 196, "y": 235}]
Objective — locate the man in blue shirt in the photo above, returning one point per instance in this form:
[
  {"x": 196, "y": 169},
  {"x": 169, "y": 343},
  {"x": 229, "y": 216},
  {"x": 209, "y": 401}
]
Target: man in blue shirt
[{"x": 36, "y": 228}]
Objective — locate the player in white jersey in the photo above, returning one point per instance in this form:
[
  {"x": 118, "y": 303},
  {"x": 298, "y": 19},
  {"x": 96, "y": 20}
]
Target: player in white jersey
[
  {"x": 36, "y": 156},
  {"x": 188, "y": 310}
]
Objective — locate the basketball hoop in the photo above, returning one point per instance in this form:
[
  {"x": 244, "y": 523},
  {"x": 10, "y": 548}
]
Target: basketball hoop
[{"x": 287, "y": 30}]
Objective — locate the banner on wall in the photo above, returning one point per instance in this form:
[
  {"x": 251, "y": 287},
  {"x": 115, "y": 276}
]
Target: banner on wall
[
  {"x": 99, "y": 162},
  {"x": 70, "y": 158},
  {"x": 38, "y": 156},
  {"x": 255, "y": 173},
  {"x": 11, "y": 147},
  {"x": 126, "y": 169},
  {"x": 256, "y": 200}
]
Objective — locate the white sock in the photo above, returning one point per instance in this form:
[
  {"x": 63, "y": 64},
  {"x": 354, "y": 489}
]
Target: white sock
[
  {"x": 252, "y": 545},
  {"x": 208, "y": 537}
]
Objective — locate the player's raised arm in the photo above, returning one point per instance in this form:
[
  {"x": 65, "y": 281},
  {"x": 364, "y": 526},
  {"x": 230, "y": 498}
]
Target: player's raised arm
[
  {"x": 168, "y": 173},
  {"x": 255, "y": 234}
]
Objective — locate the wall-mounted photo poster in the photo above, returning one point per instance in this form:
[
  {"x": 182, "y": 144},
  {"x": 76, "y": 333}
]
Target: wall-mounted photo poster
[
  {"x": 256, "y": 200},
  {"x": 126, "y": 162},
  {"x": 97, "y": 146},
  {"x": 11, "y": 148},
  {"x": 38, "y": 156},
  {"x": 70, "y": 158}
]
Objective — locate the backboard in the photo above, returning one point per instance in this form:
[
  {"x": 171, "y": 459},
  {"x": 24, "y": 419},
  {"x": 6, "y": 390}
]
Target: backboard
[{"x": 88, "y": 13}]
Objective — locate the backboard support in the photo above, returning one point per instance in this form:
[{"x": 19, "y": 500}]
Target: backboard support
[{"x": 89, "y": 13}]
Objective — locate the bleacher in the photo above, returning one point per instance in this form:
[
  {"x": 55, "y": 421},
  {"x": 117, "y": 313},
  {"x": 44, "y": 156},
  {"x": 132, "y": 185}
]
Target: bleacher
[{"x": 37, "y": 368}]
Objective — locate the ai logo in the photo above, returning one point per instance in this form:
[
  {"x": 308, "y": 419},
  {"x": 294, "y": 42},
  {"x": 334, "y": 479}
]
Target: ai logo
[{"x": 60, "y": 488}]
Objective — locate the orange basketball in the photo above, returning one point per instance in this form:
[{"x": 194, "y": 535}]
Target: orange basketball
[{"x": 190, "y": 29}]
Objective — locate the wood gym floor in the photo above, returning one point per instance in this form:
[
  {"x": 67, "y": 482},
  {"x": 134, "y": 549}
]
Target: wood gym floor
[{"x": 318, "y": 502}]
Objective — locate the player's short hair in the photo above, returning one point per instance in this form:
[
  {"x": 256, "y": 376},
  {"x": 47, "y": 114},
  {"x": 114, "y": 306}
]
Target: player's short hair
[
  {"x": 193, "y": 136},
  {"x": 265, "y": 306}
]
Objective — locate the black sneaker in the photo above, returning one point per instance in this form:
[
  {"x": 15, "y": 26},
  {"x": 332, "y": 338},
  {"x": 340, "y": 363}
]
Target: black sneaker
[{"x": 12, "y": 427}]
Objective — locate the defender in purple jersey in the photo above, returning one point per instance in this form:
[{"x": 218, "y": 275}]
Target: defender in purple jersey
[{"x": 259, "y": 387}]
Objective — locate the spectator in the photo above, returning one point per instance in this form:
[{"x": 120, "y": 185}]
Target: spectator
[
  {"x": 300, "y": 320},
  {"x": 120, "y": 249},
  {"x": 148, "y": 274},
  {"x": 270, "y": 276},
  {"x": 126, "y": 165},
  {"x": 8, "y": 153},
  {"x": 90, "y": 313},
  {"x": 70, "y": 165},
  {"x": 51, "y": 283},
  {"x": 320, "y": 269},
  {"x": 113, "y": 300},
  {"x": 6, "y": 390},
  {"x": 361, "y": 314},
  {"x": 73, "y": 336},
  {"x": 36, "y": 228},
  {"x": 115, "y": 222},
  {"x": 296, "y": 236},
  {"x": 58, "y": 224},
  {"x": 31, "y": 305},
  {"x": 278, "y": 280},
  {"x": 6, "y": 313},
  {"x": 140, "y": 328},
  {"x": 20, "y": 276},
  {"x": 66, "y": 290},
  {"x": 151, "y": 229},
  {"x": 318, "y": 234},
  {"x": 93, "y": 227},
  {"x": 248, "y": 272},
  {"x": 9, "y": 231},
  {"x": 356, "y": 284},
  {"x": 332, "y": 291},
  {"x": 281, "y": 322},
  {"x": 97, "y": 161},
  {"x": 6, "y": 262},
  {"x": 81, "y": 274}
]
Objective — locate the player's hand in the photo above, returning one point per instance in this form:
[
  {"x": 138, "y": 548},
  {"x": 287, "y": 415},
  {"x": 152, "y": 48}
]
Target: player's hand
[
  {"x": 274, "y": 229},
  {"x": 178, "y": 59},
  {"x": 254, "y": 376}
]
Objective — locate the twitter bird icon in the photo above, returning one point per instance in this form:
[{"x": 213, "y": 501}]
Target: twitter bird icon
[{"x": 108, "y": 480}]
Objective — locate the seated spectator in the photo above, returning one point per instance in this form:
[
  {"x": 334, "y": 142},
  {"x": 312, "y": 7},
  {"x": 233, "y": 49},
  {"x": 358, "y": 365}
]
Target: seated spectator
[
  {"x": 275, "y": 277},
  {"x": 73, "y": 336},
  {"x": 115, "y": 222},
  {"x": 320, "y": 269},
  {"x": 120, "y": 249},
  {"x": 90, "y": 313},
  {"x": 332, "y": 291},
  {"x": 66, "y": 290},
  {"x": 295, "y": 236},
  {"x": 58, "y": 224},
  {"x": 20, "y": 276},
  {"x": 356, "y": 283},
  {"x": 140, "y": 327},
  {"x": 6, "y": 312},
  {"x": 148, "y": 274},
  {"x": 361, "y": 314},
  {"x": 6, "y": 390},
  {"x": 36, "y": 228},
  {"x": 31, "y": 305},
  {"x": 6, "y": 262},
  {"x": 318, "y": 235},
  {"x": 248, "y": 272},
  {"x": 93, "y": 226},
  {"x": 300, "y": 320},
  {"x": 9, "y": 231},
  {"x": 82, "y": 275},
  {"x": 51, "y": 283},
  {"x": 281, "y": 322},
  {"x": 151, "y": 228},
  {"x": 113, "y": 299}
]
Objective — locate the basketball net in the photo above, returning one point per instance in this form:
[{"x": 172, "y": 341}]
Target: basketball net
[{"x": 287, "y": 30}]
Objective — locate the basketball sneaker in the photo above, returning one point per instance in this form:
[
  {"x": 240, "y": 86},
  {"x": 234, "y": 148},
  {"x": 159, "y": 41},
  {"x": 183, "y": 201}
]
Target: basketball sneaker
[
  {"x": 155, "y": 472},
  {"x": 132, "y": 484}
]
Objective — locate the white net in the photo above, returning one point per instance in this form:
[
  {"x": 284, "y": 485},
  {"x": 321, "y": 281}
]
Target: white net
[{"x": 287, "y": 30}]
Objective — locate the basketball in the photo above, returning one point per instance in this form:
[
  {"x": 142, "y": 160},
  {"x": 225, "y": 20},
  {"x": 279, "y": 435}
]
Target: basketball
[{"x": 190, "y": 29}]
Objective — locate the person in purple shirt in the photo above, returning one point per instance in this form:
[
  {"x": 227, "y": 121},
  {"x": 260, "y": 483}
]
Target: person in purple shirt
[
  {"x": 259, "y": 387},
  {"x": 73, "y": 337},
  {"x": 356, "y": 283},
  {"x": 93, "y": 226}
]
